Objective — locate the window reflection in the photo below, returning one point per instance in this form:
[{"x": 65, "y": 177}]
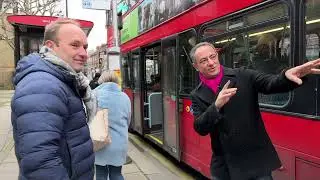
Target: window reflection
[
  {"x": 153, "y": 78},
  {"x": 29, "y": 44},
  {"x": 264, "y": 49},
  {"x": 312, "y": 20},
  {"x": 187, "y": 74},
  {"x": 126, "y": 71}
]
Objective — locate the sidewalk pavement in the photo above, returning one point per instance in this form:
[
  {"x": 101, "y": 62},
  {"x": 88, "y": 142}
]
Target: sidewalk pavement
[
  {"x": 147, "y": 164},
  {"x": 8, "y": 165}
]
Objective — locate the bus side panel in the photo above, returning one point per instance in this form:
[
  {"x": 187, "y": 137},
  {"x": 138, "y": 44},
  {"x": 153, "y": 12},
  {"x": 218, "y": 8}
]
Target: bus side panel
[
  {"x": 129, "y": 92},
  {"x": 170, "y": 114},
  {"x": 291, "y": 136},
  {"x": 203, "y": 13},
  {"x": 195, "y": 149}
]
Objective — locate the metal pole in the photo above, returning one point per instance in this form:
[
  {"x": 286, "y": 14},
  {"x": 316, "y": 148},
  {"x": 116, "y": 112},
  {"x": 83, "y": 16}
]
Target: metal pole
[
  {"x": 66, "y": 8},
  {"x": 115, "y": 23}
]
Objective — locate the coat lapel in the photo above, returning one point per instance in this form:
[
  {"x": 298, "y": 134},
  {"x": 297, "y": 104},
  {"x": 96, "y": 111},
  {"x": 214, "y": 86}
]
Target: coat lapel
[
  {"x": 229, "y": 74},
  {"x": 206, "y": 94}
]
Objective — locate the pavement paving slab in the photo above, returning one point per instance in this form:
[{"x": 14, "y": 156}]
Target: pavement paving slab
[
  {"x": 130, "y": 168},
  {"x": 144, "y": 166},
  {"x": 9, "y": 171},
  {"x": 135, "y": 176}
]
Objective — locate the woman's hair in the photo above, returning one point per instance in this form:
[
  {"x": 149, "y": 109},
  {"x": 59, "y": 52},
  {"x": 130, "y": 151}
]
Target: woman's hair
[{"x": 108, "y": 76}]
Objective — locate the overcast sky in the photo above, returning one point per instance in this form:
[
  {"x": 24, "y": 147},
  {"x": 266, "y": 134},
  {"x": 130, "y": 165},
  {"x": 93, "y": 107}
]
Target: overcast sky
[{"x": 97, "y": 35}]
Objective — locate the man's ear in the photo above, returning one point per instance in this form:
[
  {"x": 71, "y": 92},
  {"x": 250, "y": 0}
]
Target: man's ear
[
  {"x": 49, "y": 43},
  {"x": 195, "y": 66}
]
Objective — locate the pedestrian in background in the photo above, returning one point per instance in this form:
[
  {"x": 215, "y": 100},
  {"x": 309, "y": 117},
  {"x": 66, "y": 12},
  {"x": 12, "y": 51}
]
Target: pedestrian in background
[
  {"x": 110, "y": 159},
  {"x": 52, "y": 139},
  {"x": 94, "y": 82},
  {"x": 242, "y": 149}
]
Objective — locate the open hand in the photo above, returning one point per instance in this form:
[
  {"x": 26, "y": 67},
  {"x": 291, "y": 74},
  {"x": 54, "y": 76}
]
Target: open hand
[
  {"x": 295, "y": 74},
  {"x": 224, "y": 96}
]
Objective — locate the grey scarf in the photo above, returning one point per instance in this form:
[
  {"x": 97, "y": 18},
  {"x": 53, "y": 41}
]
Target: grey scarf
[{"x": 89, "y": 99}]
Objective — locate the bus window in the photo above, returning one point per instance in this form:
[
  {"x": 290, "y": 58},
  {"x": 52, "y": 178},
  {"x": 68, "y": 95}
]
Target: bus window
[
  {"x": 126, "y": 71},
  {"x": 135, "y": 57},
  {"x": 267, "y": 14},
  {"x": 215, "y": 30},
  {"x": 264, "y": 49},
  {"x": 270, "y": 54},
  {"x": 153, "y": 69},
  {"x": 168, "y": 75},
  {"x": 187, "y": 74},
  {"x": 312, "y": 20},
  {"x": 312, "y": 46},
  {"x": 270, "y": 51}
]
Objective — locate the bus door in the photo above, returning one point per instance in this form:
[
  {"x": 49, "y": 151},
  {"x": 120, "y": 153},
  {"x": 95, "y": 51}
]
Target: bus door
[
  {"x": 137, "y": 91},
  {"x": 153, "y": 110},
  {"x": 153, "y": 118},
  {"x": 170, "y": 96},
  {"x": 127, "y": 81}
]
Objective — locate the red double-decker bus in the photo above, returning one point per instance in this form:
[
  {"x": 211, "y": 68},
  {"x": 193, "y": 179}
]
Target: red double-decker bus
[{"x": 264, "y": 35}]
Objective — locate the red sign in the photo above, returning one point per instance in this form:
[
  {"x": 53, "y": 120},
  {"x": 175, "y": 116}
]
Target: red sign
[
  {"x": 110, "y": 38},
  {"x": 41, "y": 20}
]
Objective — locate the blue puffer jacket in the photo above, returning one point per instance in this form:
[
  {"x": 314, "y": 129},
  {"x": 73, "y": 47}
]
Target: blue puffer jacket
[{"x": 51, "y": 135}]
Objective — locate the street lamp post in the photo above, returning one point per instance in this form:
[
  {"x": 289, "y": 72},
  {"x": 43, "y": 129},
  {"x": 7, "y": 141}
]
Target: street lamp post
[{"x": 66, "y": 8}]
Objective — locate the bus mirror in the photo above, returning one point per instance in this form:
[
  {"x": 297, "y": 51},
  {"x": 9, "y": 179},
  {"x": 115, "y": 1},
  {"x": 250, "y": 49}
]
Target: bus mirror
[{"x": 119, "y": 19}]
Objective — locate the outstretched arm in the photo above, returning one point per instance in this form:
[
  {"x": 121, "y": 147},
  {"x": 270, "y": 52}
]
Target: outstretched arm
[
  {"x": 284, "y": 82},
  {"x": 295, "y": 74}
]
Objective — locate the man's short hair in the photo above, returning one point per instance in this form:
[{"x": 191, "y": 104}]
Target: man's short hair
[
  {"x": 108, "y": 76},
  {"x": 52, "y": 29},
  {"x": 194, "y": 49}
]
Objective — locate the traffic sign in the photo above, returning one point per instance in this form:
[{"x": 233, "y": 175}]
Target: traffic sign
[{"x": 96, "y": 4}]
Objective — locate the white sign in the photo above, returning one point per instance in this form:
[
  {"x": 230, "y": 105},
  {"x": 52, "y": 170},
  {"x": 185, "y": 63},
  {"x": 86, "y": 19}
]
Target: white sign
[{"x": 96, "y": 4}]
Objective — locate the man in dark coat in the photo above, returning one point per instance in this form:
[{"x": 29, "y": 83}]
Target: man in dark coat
[
  {"x": 52, "y": 139},
  {"x": 241, "y": 147}
]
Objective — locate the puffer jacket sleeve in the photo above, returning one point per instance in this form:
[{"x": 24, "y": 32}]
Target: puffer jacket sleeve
[{"x": 39, "y": 110}]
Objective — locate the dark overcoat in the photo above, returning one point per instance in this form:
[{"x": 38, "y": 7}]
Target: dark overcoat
[{"x": 240, "y": 144}]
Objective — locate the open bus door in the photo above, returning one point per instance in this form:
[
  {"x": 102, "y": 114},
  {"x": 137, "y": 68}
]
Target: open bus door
[
  {"x": 160, "y": 101},
  {"x": 137, "y": 91},
  {"x": 169, "y": 74}
]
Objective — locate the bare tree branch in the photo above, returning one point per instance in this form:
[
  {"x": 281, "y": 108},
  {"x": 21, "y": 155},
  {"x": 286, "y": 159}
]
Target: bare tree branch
[
  {"x": 28, "y": 7},
  {"x": 1, "y": 4},
  {"x": 5, "y": 35}
]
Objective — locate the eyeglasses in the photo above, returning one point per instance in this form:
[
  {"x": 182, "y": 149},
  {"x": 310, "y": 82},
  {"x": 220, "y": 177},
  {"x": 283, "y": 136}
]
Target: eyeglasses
[{"x": 205, "y": 60}]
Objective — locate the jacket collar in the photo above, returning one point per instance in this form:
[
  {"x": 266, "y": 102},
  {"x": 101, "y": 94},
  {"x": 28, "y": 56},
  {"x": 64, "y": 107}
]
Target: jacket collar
[{"x": 207, "y": 95}]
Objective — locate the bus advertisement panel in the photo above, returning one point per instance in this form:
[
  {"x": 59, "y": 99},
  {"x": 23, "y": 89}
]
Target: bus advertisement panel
[{"x": 151, "y": 13}]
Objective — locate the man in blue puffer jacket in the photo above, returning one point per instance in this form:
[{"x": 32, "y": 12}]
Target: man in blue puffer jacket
[{"x": 52, "y": 139}]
